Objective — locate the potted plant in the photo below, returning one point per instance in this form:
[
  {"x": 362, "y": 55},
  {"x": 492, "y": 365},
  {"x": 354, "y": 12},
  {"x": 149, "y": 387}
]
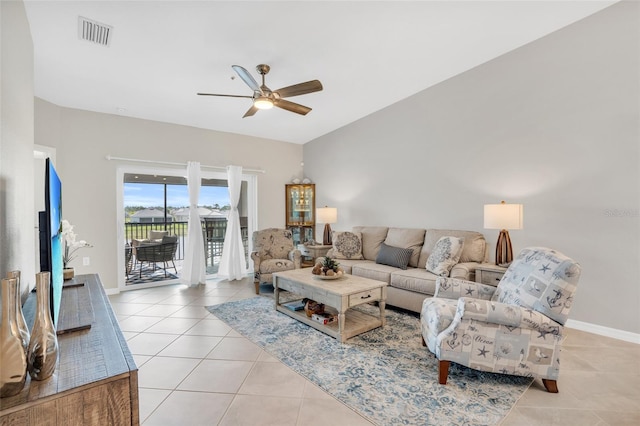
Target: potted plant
[
  {"x": 71, "y": 246},
  {"x": 327, "y": 267}
]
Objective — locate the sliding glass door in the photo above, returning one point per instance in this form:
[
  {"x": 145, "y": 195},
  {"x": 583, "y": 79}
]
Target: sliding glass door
[{"x": 155, "y": 212}]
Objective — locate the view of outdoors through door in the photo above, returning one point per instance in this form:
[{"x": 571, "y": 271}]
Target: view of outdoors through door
[{"x": 156, "y": 218}]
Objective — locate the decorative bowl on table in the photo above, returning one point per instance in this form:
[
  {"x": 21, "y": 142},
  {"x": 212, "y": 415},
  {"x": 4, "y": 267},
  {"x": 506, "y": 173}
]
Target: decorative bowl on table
[
  {"x": 327, "y": 269},
  {"x": 335, "y": 276}
]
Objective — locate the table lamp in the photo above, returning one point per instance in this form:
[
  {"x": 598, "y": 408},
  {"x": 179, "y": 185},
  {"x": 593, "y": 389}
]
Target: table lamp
[
  {"x": 327, "y": 215},
  {"x": 503, "y": 216}
]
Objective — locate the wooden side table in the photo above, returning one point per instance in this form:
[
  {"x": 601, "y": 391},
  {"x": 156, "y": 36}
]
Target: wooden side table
[
  {"x": 490, "y": 274},
  {"x": 313, "y": 251}
]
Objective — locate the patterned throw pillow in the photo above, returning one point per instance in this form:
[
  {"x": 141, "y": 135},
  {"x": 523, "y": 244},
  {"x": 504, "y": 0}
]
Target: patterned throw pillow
[
  {"x": 445, "y": 255},
  {"x": 347, "y": 245},
  {"x": 394, "y": 256}
]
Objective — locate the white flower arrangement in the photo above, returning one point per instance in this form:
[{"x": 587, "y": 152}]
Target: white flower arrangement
[{"x": 71, "y": 245}]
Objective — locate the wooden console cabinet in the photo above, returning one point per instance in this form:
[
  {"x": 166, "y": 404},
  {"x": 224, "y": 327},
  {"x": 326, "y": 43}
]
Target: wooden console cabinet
[{"x": 96, "y": 379}]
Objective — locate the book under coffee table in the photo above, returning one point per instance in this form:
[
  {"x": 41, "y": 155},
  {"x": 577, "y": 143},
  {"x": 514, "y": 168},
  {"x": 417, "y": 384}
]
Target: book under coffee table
[{"x": 341, "y": 294}]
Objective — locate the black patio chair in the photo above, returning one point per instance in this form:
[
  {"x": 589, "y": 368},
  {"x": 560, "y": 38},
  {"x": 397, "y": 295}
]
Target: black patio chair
[
  {"x": 155, "y": 253},
  {"x": 128, "y": 259},
  {"x": 214, "y": 232}
]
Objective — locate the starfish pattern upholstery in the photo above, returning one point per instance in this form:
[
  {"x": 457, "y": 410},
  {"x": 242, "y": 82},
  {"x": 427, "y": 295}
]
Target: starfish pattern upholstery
[{"x": 515, "y": 328}]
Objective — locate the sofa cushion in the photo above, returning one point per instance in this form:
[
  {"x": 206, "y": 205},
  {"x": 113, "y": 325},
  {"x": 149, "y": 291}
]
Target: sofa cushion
[
  {"x": 444, "y": 255},
  {"x": 157, "y": 235},
  {"x": 414, "y": 279},
  {"x": 394, "y": 256},
  {"x": 347, "y": 245},
  {"x": 347, "y": 264},
  {"x": 372, "y": 237},
  {"x": 374, "y": 271},
  {"x": 474, "y": 249},
  {"x": 407, "y": 238}
]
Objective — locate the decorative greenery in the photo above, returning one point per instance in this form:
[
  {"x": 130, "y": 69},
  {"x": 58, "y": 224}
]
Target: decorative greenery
[
  {"x": 71, "y": 246},
  {"x": 327, "y": 266},
  {"x": 330, "y": 263}
]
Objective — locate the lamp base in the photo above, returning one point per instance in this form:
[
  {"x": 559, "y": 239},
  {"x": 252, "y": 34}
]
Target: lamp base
[
  {"x": 326, "y": 238},
  {"x": 504, "y": 252}
]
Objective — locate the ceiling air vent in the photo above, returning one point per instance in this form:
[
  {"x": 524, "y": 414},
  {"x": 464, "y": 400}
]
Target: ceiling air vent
[{"x": 94, "y": 32}]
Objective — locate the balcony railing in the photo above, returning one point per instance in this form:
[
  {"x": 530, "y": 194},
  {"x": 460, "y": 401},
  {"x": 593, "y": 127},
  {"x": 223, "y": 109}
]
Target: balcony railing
[{"x": 213, "y": 232}]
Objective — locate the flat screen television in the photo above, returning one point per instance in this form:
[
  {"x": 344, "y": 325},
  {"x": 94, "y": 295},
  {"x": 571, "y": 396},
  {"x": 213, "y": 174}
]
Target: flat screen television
[{"x": 51, "y": 245}]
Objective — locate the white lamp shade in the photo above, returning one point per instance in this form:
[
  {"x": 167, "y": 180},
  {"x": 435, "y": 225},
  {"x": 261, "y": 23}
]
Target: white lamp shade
[
  {"x": 327, "y": 215},
  {"x": 503, "y": 216}
]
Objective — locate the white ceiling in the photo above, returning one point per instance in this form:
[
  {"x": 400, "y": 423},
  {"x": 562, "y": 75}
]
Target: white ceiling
[{"x": 367, "y": 55}]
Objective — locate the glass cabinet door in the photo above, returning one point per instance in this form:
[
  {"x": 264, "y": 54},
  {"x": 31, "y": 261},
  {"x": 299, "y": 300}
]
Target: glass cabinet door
[{"x": 301, "y": 211}]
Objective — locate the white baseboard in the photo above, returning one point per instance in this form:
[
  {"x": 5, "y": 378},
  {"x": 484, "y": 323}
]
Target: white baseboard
[
  {"x": 627, "y": 336},
  {"x": 600, "y": 330}
]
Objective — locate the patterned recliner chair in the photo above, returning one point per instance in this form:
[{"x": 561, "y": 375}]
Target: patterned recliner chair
[
  {"x": 516, "y": 328},
  {"x": 273, "y": 251}
]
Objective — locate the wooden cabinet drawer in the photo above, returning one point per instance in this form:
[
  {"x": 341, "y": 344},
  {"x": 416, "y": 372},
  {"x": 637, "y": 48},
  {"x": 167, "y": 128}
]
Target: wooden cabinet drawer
[
  {"x": 317, "y": 294},
  {"x": 365, "y": 297},
  {"x": 289, "y": 286},
  {"x": 490, "y": 277}
]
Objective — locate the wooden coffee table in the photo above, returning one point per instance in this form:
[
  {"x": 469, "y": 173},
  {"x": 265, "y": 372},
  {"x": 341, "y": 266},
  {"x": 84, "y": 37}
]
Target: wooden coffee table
[{"x": 341, "y": 294}]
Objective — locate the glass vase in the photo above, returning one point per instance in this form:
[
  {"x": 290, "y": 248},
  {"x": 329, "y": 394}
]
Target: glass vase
[
  {"x": 12, "y": 355},
  {"x": 22, "y": 324},
  {"x": 43, "y": 346}
]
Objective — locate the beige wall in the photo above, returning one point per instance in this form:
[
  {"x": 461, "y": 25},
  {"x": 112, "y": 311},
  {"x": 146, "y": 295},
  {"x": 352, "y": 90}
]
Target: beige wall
[
  {"x": 553, "y": 125},
  {"x": 83, "y": 139},
  {"x": 17, "y": 237}
]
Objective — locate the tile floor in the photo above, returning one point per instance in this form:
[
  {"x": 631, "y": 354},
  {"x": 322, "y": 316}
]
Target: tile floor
[{"x": 195, "y": 370}]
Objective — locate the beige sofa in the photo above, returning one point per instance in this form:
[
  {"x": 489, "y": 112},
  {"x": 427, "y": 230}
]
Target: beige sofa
[{"x": 408, "y": 288}]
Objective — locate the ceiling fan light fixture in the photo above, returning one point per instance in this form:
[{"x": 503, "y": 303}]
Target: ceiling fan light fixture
[
  {"x": 263, "y": 102},
  {"x": 265, "y": 98}
]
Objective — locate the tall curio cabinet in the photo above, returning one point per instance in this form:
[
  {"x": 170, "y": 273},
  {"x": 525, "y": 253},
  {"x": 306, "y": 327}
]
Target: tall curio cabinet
[{"x": 301, "y": 211}]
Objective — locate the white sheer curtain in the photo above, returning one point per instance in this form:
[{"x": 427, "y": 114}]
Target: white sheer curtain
[
  {"x": 233, "y": 264},
  {"x": 193, "y": 267}
]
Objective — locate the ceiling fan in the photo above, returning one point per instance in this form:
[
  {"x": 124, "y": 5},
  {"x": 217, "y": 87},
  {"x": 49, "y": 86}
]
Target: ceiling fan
[{"x": 265, "y": 98}]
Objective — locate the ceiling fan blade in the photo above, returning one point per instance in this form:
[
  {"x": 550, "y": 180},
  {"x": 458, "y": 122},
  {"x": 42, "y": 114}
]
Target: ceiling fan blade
[
  {"x": 250, "y": 111},
  {"x": 300, "y": 89},
  {"x": 228, "y": 96},
  {"x": 247, "y": 78},
  {"x": 291, "y": 106}
]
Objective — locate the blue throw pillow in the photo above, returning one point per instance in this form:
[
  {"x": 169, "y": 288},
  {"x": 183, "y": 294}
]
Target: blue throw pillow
[{"x": 394, "y": 256}]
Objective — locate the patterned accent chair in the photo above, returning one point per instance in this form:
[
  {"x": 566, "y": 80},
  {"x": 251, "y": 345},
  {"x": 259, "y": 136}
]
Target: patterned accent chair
[
  {"x": 273, "y": 251},
  {"x": 514, "y": 328}
]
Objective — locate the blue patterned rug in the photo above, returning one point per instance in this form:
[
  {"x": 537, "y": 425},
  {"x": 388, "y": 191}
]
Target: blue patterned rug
[{"x": 385, "y": 374}]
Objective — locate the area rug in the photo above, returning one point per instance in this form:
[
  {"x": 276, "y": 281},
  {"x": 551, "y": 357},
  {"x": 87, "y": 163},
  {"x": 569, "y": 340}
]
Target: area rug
[
  {"x": 148, "y": 275},
  {"x": 385, "y": 374}
]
